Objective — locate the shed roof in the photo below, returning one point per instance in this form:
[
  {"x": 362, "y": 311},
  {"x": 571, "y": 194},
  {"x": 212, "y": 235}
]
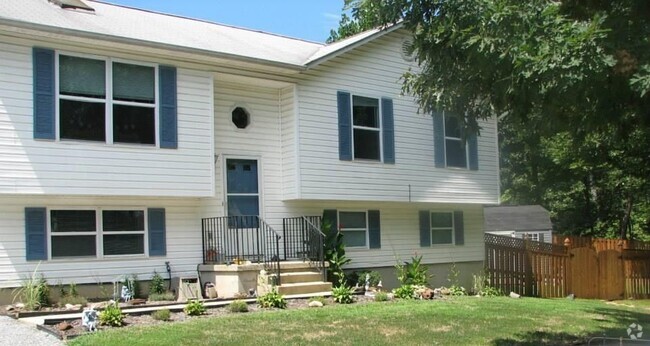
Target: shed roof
[
  {"x": 516, "y": 218},
  {"x": 118, "y": 21}
]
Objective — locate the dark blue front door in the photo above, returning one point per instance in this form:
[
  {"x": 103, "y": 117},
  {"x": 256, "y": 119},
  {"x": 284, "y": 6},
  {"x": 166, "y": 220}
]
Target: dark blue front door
[{"x": 242, "y": 188}]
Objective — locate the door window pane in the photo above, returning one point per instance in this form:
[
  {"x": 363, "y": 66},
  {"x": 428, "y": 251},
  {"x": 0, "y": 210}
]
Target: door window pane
[
  {"x": 241, "y": 176},
  {"x": 73, "y": 246},
  {"x": 123, "y": 220},
  {"x": 82, "y": 120},
  {"x": 134, "y": 124},
  {"x": 243, "y": 205},
  {"x": 67, "y": 221},
  {"x": 123, "y": 244},
  {"x": 82, "y": 77},
  {"x": 134, "y": 83}
]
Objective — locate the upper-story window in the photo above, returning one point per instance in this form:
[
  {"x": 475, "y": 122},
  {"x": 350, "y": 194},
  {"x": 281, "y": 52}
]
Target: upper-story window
[
  {"x": 366, "y": 128},
  {"x": 455, "y": 148},
  {"x": 106, "y": 101}
]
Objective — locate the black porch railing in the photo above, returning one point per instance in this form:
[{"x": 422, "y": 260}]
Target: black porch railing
[
  {"x": 230, "y": 239},
  {"x": 303, "y": 240}
]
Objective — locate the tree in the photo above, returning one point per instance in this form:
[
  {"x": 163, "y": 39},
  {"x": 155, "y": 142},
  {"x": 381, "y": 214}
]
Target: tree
[
  {"x": 360, "y": 22},
  {"x": 569, "y": 80}
]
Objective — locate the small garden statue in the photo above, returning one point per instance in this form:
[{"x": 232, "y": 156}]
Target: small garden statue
[
  {"x": 367, "y": 286},
  {"x": 89, "y": 319},
  {"x": 126, "y": 294}
]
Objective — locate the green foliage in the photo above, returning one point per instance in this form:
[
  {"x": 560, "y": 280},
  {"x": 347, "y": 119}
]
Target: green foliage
[
  {"x": 72, "y": 290},
  {"x": 334, "y": 254},
  {"x": 161, "y": 315},
  {"x": 165, "y": 296},
  {"x": 112, "y": 316},
  {"x": 456, "y": 290},
  {"x": 133, "y": 284},
  {"x": 406, "y": 291},
  {"x": 238, "y": 306},
  {"x": 319, "y": 299},
  {"x": 413, "y": 273},
  {"x": 381, "y": 296},
  {"x": 489, "y": 291},
  {"x": 34, "y": 292},
  {"x": 482, "y": 287},
  {"x": 194, "y": 308},
  {"x": 343, "y": 294},
  {"x": 157, "y": 284},
  {"x": 272, "y": 299}
]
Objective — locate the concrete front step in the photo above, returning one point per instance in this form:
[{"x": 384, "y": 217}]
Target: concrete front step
[
  {"x": 297, "y": 266},
  {"x": 298, "y": 277},
  {"x": 304, "y": 287}
]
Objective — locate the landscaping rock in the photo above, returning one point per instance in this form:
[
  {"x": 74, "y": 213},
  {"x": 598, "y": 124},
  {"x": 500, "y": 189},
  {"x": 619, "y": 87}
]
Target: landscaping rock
[
  {"x": 445, "y": 291},
  {"x": 99, "y": 305},
  {"x": 571, "y": 296},
  {"x": 63, "y": 326},
  {"x": 315, "y": 304},
  {"x": 514, "y": 295},
  {"x": 428, "y": 294},
  {"x": 71, "y": 307},
  {"x": 9, "y": 308},
  {"x": 137, "y": 301},
  {"x": 19, "y": 306}
]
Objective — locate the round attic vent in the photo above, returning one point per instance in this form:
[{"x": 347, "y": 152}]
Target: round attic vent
[{"x": 406, "y": 49}]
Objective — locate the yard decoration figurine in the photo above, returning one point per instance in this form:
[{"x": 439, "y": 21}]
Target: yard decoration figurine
[
  {"x": 126, "y": 294},
  {"x": 89, "y": 319}
]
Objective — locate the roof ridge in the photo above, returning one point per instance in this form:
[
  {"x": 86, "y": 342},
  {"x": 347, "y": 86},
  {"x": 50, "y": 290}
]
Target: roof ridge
[{"x": 207, "y": 22}]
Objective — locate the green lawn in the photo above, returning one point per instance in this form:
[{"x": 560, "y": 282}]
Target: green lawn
[{"x": 457, "y": 321}]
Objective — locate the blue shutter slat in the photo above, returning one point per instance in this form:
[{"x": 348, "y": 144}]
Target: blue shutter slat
[
  {"x": 168, "y": 107},
  {"x": 388, "y": 128},
  {"x": 330, "y": 217},
  {"x": 36, "y": 234},
  {"x": 439, "y": 140},
  {"x": 472, "y": 143},
  {"x": 459, "y": 228},
  {"x": 157, "y": 232},
  {"x": 43, "y": 85},
  {"x": 345, "y": 125},
  {"x": 425, "y": 228},
  {"x": 374, "y": 229}
]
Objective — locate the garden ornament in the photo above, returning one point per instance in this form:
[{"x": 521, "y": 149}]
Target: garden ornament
[
  {"x": 89, "y": 319},
  {"x": 126, "y": 294}
]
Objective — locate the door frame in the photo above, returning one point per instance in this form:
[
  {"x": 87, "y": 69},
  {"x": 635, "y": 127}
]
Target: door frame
[{"x": 260, "y": 181}]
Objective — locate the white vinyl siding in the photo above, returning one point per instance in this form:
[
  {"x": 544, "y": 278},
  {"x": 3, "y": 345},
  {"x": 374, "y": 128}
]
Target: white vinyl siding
[
  {"x": 29, "y": 166},
  {"x": 376, "y": 69},
  {"x": 183, "y": 232},
  {"x": 289, "y": 142}
]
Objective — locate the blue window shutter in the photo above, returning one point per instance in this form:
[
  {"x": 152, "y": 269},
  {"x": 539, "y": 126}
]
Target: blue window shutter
[
  {"x": 472, "y": 143},
  {"x": 330, "y": 217},
  {"x": 374, "y": 229},
  {"x": 425, "y": 228},
  {"x": 168, "y": 107},
  {"x": 459, "y": 228},
  {"x": 36, "y": 234},
  {"x": 43, "y": 73},
  {"x": 157, "y": 232},
  {"x": 345, "y": 125},
  {"x": 388, "y": 129},
  {"x": 439, "y": 140}
]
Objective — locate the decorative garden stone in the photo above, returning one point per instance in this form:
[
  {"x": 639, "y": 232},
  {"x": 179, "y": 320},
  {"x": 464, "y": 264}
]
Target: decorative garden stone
[{"x": 315, "y": 304}]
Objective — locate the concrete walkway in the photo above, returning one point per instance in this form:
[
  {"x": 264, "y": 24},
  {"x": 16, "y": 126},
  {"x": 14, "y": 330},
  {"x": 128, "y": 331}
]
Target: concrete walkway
[{"x": 18, "y": 333}]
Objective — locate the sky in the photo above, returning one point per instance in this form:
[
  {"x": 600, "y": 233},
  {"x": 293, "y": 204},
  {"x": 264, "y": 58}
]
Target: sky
[{"x": 310, "y": 20}]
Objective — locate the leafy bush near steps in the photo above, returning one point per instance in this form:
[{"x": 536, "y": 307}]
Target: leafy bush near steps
[
  {"x": 273, "y": 299},
  {"x": 343, "y": 294},
  {"x": 194, "y": 308}
]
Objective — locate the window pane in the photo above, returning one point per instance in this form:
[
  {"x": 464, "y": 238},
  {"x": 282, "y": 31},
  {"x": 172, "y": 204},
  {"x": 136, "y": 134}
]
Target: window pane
[
  {"x": 452, "y": 127},
  {"x": 441, "y": 220},
  {"x": 73, "y": 246},
  {"x": 366, "y": 144},
  {"x": 456, "y": 154},
  {"x": 439, "y": 236},
  {"x": 134, "y": 125},
  {"x": 123, "y": 220},
  {"x": 354, "y": 238},
  {"x": 133, "y": 83},
  {"x": 82, "y": 120},
  {"x": 365, "y": 111},
  {"x": 242, "y": 176},
  {"x": 72, "y": 220},
  {"x": 123, "y": 244},
  {"x": 82, "y": 77},
  {"x": 352, "y": 220}
]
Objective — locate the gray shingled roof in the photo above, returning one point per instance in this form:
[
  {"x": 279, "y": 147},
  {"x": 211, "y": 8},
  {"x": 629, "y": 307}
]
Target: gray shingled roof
[
  {"x": 516, "y": 218},
  {"x": 122, "y": 22}
]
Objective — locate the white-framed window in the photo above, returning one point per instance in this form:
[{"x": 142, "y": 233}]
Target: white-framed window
[
  {"x": 106, "y": 100},
  {"x": 455, "y": 149},
  {"x": 354, "y": 227},
  {"x": 98, "y": 232},
  {"x": 531, "y": 236},
  {"x": 366, "y": 128},
  {"x": 442, "y": 228}
]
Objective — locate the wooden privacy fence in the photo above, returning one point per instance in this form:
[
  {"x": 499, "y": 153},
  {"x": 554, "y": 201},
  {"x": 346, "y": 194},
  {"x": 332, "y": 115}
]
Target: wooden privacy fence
[{"x": 588, "y": 268}]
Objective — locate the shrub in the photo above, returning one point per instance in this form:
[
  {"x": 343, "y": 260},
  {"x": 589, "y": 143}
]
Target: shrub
[
  {"x": 343, "y": 294},
  {"x": 111, "y": 316},
  {"x": 381, "y": 296},
  {"x": 319, "y": 299},
  {"x": 157, "y": 285},
  {"x": 413, "y": 273},
  {"x": 273, "y": 299},
  {"x": 489, "y": 291},
  {"x": 161, "y": 315},
  {"x": 456, "y": 290},
  {"x": 165, "y": 296},
  {"x": 72, "y": 290},
  {"x": 194, "y": 308},
  {"x": 405, "y": 292},
  {"x": 238, "y": 306},
  {"x": 33, "y": 292},
  {"x": 334, "y": 253}
]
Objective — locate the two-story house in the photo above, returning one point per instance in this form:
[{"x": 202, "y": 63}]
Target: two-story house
[{"x": 127, "y": 135}]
